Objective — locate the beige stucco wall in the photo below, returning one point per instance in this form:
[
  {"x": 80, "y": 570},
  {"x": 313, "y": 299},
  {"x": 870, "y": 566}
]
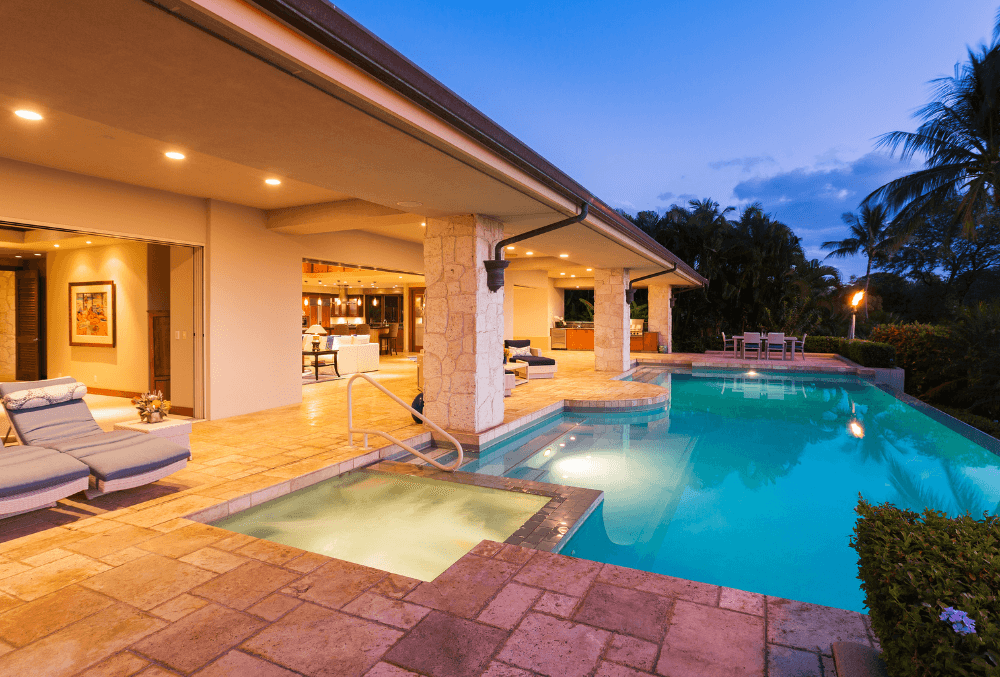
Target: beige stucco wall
[
  {"x": 534, "y": 301},
  {"x": 126, "y": 366},
  {"x": 8, "y": 344}
]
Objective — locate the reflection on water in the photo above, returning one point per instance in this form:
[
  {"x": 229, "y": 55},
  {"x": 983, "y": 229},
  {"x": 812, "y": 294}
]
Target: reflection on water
[{"x": 750, "y": 481}]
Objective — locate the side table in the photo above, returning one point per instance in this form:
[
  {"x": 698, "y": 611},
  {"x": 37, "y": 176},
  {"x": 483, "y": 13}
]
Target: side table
[{"x": 174, "y": 429}]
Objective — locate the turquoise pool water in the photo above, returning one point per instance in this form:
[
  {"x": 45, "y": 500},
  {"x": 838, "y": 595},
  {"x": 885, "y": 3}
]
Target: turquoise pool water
[{"x": 751, "y": 481}]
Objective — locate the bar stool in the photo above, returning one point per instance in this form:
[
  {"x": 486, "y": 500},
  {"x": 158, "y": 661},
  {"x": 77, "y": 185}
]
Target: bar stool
[{"x": 387, "y": 339}]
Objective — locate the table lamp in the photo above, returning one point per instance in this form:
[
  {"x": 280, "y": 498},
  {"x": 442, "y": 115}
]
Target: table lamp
[{"x": 316, "y": 331}]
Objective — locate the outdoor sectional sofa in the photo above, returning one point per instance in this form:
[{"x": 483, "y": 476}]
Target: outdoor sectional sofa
[
  {"x": 538, "y": 366},
  {"x": 60, "y": 436}
]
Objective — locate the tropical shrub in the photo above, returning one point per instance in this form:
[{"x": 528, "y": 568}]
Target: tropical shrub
[
  {"x": 689, "y": 344},
  {"x": 925, "y": 351},
  {"x": 913, "y": 567},
  {"x": 864, "y": 353},
  {"x": 823, "y": 344}
]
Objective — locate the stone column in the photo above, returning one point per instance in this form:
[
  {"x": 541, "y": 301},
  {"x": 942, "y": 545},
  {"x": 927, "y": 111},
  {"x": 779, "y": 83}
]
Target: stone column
[
  {"x": 611, "y": 315},
  {"x": 463, "y": 337},
  {"x": 661, "y": 314}
]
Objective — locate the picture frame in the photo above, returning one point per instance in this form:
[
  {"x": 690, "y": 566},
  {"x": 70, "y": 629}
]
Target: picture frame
[{"x": 93, "y": 319}]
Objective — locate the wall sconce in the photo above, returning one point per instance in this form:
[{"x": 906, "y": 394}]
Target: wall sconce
[
  {"x": 374, "y": 302},
  {"x": 305, "y": 302}
]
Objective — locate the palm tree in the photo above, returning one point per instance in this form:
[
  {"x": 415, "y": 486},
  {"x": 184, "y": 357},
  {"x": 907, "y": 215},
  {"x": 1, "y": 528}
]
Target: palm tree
[
  {"x": 960, "y": 137},
  {"x": 872, "y": 234}
]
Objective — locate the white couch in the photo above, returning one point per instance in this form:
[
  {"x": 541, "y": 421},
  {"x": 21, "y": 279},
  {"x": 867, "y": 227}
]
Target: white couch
[{"x": 354, "y": 354}]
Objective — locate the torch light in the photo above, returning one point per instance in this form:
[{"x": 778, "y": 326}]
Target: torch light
[{"x": 855, "y": 300}]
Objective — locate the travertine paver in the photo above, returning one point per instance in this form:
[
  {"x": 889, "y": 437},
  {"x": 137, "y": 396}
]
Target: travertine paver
[
  {"x": 445, "y": 646},
  {"x": 87, "y": 586}
]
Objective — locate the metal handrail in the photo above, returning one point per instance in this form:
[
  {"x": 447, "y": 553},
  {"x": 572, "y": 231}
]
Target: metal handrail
[{"x": 351, "y": 429}]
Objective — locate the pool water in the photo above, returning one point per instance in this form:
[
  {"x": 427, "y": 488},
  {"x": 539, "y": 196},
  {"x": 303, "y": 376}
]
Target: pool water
[
  {"x": 413, "y": 526},
  {"x": 751, "y": 482}
]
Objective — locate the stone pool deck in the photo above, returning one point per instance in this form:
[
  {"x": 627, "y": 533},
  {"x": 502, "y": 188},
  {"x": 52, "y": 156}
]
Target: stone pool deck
[{"x": 130, "y": 584}]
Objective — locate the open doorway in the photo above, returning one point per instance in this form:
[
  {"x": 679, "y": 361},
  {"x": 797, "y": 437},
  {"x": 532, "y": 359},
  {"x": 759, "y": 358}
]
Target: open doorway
[{"x": 119, "y": 315}]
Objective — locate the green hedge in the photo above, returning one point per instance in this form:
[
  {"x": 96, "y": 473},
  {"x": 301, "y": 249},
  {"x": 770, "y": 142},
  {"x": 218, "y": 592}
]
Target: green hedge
[
  {"x": 865, "y": 353},
  {"x": 923, "y": 350},
  {"x": 913, "y": 566}
]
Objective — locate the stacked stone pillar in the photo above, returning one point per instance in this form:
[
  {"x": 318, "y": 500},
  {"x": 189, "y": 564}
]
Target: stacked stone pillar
[
  {"x": 611, "y": 325},
  {"x": 661, "y": 314},
  {"x": 463, "y": 336}
]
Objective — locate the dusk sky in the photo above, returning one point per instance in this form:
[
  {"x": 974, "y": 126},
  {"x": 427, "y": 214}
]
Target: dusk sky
[{"x": 653, "y": 103}]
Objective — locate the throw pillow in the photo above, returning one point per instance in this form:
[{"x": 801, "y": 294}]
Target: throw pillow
[
  {"x": 520, "y": 352},
  {"x": 45, "y": 396}
]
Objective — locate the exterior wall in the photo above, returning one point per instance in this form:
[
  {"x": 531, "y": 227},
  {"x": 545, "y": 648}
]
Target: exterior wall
[
  {"x": 8, "y": 343},
  {"x": 534, "y": 300},
  {"x": 253, "y": 279},
  {"x": 661, "y": 314},
  {"x": 611, "y": 320},
  {"x": 126, "y": 366},
  {"x": 463, "y": 341}
]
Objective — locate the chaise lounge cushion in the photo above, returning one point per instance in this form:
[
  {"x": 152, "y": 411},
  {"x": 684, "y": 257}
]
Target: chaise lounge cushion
[
  {"x": 120, "y": 454},
  {"x": 534, "y": 360},
  {"x": 25, "y": 469}
]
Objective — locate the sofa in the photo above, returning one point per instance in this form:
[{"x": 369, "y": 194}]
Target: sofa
[
  {"x": 538, "y": 366},
  {"x": 354, "y": 354}
]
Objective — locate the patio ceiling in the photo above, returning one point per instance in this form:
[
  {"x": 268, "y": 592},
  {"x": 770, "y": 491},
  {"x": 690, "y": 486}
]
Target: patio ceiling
[{"x": 121, "y": 82}]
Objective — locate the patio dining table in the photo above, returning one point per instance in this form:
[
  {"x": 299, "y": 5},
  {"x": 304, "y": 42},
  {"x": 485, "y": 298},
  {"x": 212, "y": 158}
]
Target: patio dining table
[{"x": 739, "y": 348}]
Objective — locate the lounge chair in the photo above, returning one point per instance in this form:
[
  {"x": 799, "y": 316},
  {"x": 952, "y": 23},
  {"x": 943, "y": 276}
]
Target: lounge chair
[
  {"x": 33, "y": 478},
  {"x": 117, "y": 460},
  {"x": 538, "y": 366}
]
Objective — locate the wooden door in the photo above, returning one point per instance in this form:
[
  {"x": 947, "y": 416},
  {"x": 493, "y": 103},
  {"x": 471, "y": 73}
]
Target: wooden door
[
  {"x": 28, "y": 326},
  {"x": 417, "y": 319},
  {"x": 159, "y": 351}
]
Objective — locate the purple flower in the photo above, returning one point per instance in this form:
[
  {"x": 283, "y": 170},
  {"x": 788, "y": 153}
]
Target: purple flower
[{"x": 960, "y": 621}]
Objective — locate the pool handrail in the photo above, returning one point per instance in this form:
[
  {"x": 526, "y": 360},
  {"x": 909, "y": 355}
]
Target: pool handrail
[{"x": 365, "y": 432}]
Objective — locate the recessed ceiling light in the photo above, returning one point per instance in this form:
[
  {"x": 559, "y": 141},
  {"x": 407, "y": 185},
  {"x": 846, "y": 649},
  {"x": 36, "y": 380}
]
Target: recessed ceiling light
[
  {"x": 529, "y": 253},
  {"x": 572, "y": 275},
  {"x": 174, "y": 155},
  {"x": 510, "y": 246},
  {"x": 37, "y": 254},
  {"x": 407, "y": 203},
  {"x": 272, "y": 182},
  {"x": 423, "y": 223},
  {"x": 17, "y": 256},
  {"x": 564, "y": 256},
  {"x": 562, "y": 273},
  {"x": 27, "y": 114},
  {"x": 56, "y": 246},
  {"x": 89, "y": 242},
  {"x": 589, "y": 269}
]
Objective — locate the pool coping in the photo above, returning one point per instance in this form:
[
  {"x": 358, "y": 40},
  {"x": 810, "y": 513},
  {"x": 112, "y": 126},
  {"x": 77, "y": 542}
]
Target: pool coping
[{"x": 547, "y": 530}]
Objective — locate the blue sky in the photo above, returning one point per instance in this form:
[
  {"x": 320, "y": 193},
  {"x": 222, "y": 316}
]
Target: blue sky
[{"x": 650, "y": 103}]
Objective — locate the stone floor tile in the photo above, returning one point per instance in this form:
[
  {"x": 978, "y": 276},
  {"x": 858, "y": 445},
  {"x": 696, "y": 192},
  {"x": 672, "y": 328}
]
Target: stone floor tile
[
  {"x": 321, "y": 642},
  {"x": 692, "y": 591},
  {"x": 158, "y": 514},
  {"x": 630, "y": 612},
  {"x": 122, "y": 664},
  {"x": 556, "y": 604},
  {"x": 272, "y": 553},
  {"x": 335, "y": 583},
  {"x": 442, "y": 645},
  {"x": 218, "y": 561},
  {"x": 9, "y": 568},
  {"x": 566, "y": 575},
  {"x": 45, "y": 615},
  {"x": 230, "y": 543},
  {"x": 606, "y": 669},
  {"x": 829, "y": 667},
  {"x": 7, "y": 603},
  {"x": 46, "y": 557},
  {"x": 514, "y": 554},
  {"x": 486, "y": 549},
  {"x": 632, "y": 652},
  {"x": 497, "y": 669},
  {"x": 554, "y": 647},
  {"x": 5, "y": 648},
  {"x": 112, "y": 540},
  {"x": 81, "y": 644},
  {"x": 239, "y": 664},
  {"x": 116, "y": 559},
  {"x": 50, "y": 577},
  {"x": 178, "y": 607},
  {"x": 56, "y": 537},
  {"x": 395, "y": 586},
  {"x": 245, "y": 585},
  {"x": 465, "y": 587},
  {"x": 274, "y": 607},
  {"x": 705, "y": 641},
  {"x": 812, "y": 627},
  {"x": 148, "y": 581},
  {"x": 389, "y": 670},
  {"x": 183, "y": 541},
  {"x": 509, "y": 606},
  {"x": 306, "y": 562},
  {"x": 157, "y": 671},
  {"x": 783, "y": 661},
  {"x": 393, "y": 612},
  {"x": 199, "y": 637},
  {"x": 740, "y": 600}
]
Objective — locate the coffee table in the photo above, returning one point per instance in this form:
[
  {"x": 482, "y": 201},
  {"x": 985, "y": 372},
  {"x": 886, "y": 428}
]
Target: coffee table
[
  {"x": 520, "y": 370},
  {"x": 316, "y": 355}
]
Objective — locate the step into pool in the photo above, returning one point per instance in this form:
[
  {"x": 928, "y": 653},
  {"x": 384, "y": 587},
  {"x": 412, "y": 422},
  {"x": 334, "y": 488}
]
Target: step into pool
[
  {"x": 750, "y": 480},
  {"x": 412, "y": 526}
]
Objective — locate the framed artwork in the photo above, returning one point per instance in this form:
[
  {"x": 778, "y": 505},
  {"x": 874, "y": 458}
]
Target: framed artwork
[{"x": 92, "y": 318}]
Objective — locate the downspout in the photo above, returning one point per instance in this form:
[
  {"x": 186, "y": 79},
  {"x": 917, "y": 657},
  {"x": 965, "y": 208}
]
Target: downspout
[
  {"x": 495, "y": 267},
  {"x": 630, "y": 292}
]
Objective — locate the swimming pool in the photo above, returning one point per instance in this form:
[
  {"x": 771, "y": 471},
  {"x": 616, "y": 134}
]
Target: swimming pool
[{"x": 750, "y": 481}]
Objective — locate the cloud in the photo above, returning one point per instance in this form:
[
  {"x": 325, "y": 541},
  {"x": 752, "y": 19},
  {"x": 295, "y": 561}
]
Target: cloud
[
  {"x": 663, "y": 197},
  {"x": 811, "y": 200},
  {"x": 744, "y": 163}
]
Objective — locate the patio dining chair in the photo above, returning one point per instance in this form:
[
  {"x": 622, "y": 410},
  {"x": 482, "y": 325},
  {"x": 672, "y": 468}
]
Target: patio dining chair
[
  {"x": 726, "y": 342},
  {"x": 801, "y": 345},
  {"x": 751, "y": 341},
  {"x": 775, "y": 343}
]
